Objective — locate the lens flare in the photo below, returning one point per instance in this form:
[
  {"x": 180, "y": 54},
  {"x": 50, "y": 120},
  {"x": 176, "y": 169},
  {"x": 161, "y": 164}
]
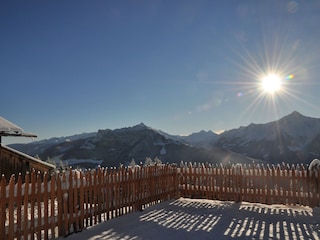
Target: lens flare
[{"x": 290, "y": 76}]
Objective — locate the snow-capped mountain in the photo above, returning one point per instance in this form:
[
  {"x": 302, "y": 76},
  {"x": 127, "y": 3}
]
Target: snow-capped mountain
[
  {"x": 201, "y": 139},
  {"x": 293, "y": 138},
  {"x": 112, "y": 147},
  {"x": 38, "y": 147}
]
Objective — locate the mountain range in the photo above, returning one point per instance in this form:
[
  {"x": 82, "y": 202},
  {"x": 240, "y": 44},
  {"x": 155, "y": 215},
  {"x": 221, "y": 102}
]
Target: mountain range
[{"x": 292, "y": 139}]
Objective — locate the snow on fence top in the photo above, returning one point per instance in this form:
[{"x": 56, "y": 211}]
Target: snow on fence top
[{"x": 314, "y": 166}]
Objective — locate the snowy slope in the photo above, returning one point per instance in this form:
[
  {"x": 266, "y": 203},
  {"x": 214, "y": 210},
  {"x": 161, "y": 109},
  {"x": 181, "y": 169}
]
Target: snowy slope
[
  {"x": 287, "y": 139},
  {"x": 294, "y": 138},
  {"x": 296, "y": 126},
  {"x": 121, "y": 146}
]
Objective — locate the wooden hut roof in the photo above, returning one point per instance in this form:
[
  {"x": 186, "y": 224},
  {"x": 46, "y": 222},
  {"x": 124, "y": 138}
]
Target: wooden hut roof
[{"x": 8, "y": 128}]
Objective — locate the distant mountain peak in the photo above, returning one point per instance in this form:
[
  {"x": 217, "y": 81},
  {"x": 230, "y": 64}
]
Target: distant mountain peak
[
  {"x": 295, "y": 114},
  {"x": 290, "y": 137},
  {"x": 296, "y": 118},
  {"x": 140, "y": 126}
]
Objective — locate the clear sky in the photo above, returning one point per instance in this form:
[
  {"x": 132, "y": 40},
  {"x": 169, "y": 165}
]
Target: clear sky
[{"x": 68, "y": 67}]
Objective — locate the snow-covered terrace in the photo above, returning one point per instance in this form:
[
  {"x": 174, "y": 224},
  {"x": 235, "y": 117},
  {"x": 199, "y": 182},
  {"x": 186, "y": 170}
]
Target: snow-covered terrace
[{"x": 209, "y": 219}]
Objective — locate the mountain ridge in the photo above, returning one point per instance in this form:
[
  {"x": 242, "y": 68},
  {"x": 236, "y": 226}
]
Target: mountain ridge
[
  {"x": 121, "y": 146},
  {"x": 294, "y": 137},
  {"x": 287, "y": 138}
]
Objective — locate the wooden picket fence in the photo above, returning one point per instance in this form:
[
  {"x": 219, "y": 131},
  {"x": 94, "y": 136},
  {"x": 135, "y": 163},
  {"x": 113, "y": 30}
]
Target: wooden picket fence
[
  {"x": 46, "y": 207},
  {"x": 43, "y": 206},
  {"x": 281, "y": 184}
]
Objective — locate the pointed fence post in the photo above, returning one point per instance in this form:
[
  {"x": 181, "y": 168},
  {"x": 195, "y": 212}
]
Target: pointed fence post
[
  {"x": 293, "y": 185},
  {"x": 53, "y": 200},
  {"x": 38, "y": 202},
  {"x": 245, "y": 183},
  {"x": 3, "y": 201},
  {"x": 268, "y": 184},
  {"x": 25, "y": 206},
  {"x": 18, "y": 206},
  {"x": 11, "y": 207}
]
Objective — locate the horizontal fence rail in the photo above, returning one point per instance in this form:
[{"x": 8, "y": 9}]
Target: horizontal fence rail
[{"x": 43, "y": 206}]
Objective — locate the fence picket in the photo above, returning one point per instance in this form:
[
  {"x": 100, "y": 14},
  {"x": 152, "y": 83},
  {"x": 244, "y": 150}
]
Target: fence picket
[
  {"x": 25, "y": 206},
  {"x": 18, "y": 206},
  {"x": 3, "y": 204},
  {"x": 53, "y": 197},
  {"x": 32, "y": 203},
  {"x": 45, "y": 207},
  {"x": 11, "y": 208},
  {"x": 39, "y": 207}
]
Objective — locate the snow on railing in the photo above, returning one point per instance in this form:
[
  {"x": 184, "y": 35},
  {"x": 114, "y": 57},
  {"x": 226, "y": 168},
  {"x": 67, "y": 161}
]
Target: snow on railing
[{"x": 314, "y": 166}]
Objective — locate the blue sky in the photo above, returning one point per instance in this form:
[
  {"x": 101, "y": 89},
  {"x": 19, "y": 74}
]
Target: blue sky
[{"x": 68, "y": 67}]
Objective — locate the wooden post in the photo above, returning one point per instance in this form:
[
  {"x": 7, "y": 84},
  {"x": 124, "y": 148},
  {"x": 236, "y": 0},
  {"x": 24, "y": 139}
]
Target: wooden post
[
  {"x": 274, "y": 183},
  {"x": 131, "y": 190},
  {"x": 3, "y": 200},
  {"x": 312, "y": 188},
  {"x": 189, "y": 180},
  {"x": 244, "y": 187},
  {"x": 268, "y": 185},
  {"x": 45, "y": 206},
  {"x": 39, "y": 207},
  {"x": 209, "y": 182},
  {"x": 25, "y": 206},
  {"x": 304, "y": 191},
  {"x": 19, "y": 203},
  {"x": 99, "y": 192},
  {"x": 210, "y": 172},
  {"x": 76, "y": 202},
  {"x": 53, "y": 197},
  {"x": 278, "y": 182},
  {"x": 263, "y": 182},
  {"x": 94, "y": 198},
  {"x": 11, "y": 208},
  {"x": 65, "y": 204},
  {"x": 221, "y": 181},
  {"x": 32, "y": 203},
  {"x": 68, "y": 198},
  {"x": 286, "y": 183}
]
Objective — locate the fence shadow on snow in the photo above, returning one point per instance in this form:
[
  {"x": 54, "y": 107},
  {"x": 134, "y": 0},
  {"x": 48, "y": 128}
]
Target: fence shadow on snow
[{"x": 186, "y": 218}]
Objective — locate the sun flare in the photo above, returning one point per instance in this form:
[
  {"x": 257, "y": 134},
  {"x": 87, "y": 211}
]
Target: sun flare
[{"x": 271, "y": 83}]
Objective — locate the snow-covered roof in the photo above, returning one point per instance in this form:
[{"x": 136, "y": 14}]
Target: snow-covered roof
[{"x": 8, "y": 128}]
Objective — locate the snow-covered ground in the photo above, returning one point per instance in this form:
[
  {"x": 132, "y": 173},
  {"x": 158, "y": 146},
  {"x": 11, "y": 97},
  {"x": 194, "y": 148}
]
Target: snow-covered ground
[{"x": 208, "y": 219}]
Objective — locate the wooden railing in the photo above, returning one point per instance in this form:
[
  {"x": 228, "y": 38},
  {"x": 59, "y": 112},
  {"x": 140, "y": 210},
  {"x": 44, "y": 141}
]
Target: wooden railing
[
  {"x": 43, "y": 206},
  {"x": 46, "y": 207},
  {"x": 281, "y": 184}
]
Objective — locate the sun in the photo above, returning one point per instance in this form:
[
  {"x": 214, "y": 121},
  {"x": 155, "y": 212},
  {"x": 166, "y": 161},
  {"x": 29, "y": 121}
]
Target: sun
[{"x": 271, "y": 83}]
